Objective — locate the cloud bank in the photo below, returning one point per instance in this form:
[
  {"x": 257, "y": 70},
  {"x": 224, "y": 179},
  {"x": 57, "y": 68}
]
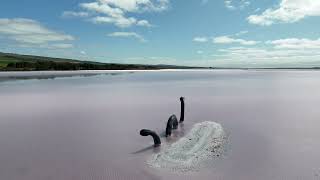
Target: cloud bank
[
  {"x": 119, "y": 12},
  {"x": 28, "y": 32},
  {"x": 230, "y": 40},
  {"x": 236, "y": 4},
  {"x": 127, "y": 35},
  {"x": 289, "y": 11}
]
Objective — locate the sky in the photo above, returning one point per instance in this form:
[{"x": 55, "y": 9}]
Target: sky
[{"x": 218, "y": 33}]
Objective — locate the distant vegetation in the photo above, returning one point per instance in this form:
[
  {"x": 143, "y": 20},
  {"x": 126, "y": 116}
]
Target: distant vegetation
[{"x": 16, "y": 62}]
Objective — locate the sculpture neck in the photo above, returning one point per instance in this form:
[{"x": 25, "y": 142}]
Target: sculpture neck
[
  {"x": 182, "y": 110},
  {"x": 156, "y": 138}
]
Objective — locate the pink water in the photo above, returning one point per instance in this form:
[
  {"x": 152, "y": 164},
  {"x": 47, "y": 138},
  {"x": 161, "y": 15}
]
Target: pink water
[{"x": 87, "y": 128}]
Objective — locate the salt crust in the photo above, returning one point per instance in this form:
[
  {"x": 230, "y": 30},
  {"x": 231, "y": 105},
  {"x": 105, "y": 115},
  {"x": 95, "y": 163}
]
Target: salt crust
[{"x": 202, "y": 144}]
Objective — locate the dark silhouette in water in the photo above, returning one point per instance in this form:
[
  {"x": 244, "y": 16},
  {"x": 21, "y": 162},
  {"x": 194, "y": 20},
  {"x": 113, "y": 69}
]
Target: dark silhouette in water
[
  {"x": 173, "y": 121},
  {"x": 171, "y": 124},
  {"x": 156, "y": 138},
  {"x": 182, "y": 109}
]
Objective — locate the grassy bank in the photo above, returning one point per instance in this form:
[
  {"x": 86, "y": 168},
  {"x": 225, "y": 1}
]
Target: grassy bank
[{"x": 17, "y": 62}]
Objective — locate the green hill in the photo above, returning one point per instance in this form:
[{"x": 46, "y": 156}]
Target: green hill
[{"x": 18, "y": 62}]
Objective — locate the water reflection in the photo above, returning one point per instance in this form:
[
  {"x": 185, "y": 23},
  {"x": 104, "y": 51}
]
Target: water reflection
[{"x": 47, "y": 75}]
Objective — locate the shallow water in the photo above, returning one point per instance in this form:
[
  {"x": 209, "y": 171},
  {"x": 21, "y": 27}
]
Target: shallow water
[{"x": 87, "y": 128}]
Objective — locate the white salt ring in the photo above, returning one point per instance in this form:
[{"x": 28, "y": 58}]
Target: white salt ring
[{"x": 202, "y": 143}]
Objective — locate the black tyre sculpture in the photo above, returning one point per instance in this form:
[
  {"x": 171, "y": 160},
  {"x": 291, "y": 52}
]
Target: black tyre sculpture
[
  {"x": 171, "y": 124},
  {"x": 182, "y": 109},
  {"x": 156, "y": 138}
]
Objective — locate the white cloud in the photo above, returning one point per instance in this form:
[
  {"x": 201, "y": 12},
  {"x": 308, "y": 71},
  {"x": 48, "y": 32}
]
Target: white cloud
[
  {"x": 230, "y": 40},
  {"x": 143, "y": 23},
  {"x": 60, "y": 46},
  {"x": 290, "y": 52},
  {"x": 289, "y": 11},
  {"x": 200, "y": 39},
  {"x": 226, "y": 39},
  {"x": 200, "y": 52},
  {"x": 70, "y": 14},
  {"x": 83, "y": 52},
  {"x": 228, "y": 4},
  {"x": 127, "y": 35},
  {"x": 31, "y": 32},
  {"x": 127, "y": 5},
  {"x": 116, "y": 11},
  {"x": 103, "y": 8},
  {"x": 236, "y": 4},
  {"x": 295, "y": 43},
  {"x": 138, "y": 5},
  {"x": 268, "y": 55},
  {"x": 244, "y": 3},
  {"x": 120, "y": 22},
  {"x": 241, "y": 33},
  {"x": 257, "y": 10}
]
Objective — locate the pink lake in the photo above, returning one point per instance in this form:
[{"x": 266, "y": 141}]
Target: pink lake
[{"x": 87, "y": 127}]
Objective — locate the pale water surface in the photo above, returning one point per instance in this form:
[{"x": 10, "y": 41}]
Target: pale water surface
[{"x": 87, "y": 128}]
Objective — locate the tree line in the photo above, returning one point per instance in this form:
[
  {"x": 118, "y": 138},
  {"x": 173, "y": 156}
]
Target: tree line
[{"x": 64, "y": 66}]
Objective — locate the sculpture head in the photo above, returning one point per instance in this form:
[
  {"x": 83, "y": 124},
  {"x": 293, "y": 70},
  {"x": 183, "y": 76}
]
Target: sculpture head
[
  {"x": 156, "y": 138},
  {"x": 171, "y": 125},
  {"x": 182, "y": 109}
]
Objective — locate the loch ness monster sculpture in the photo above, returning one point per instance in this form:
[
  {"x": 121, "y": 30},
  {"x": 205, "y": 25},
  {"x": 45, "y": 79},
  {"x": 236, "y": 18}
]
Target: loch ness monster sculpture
[
  {"x": 173, "y": 121},
  {"x": 182, "y": 109},
  {"x": 171, "y": 124},
  {"x": 156, "y": 138}
]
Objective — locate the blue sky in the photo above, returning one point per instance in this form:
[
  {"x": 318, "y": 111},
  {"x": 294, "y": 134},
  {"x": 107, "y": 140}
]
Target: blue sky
[{"x": 222, "y": 33}]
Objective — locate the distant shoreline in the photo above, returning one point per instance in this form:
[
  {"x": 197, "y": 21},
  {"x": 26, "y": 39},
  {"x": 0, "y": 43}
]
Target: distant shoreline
[
  {"x": 18, "y": 62},
  {"x": 6, "y": 76},
  {"x": 153, "y": 70},
  {"x": 10, "y": 62}
]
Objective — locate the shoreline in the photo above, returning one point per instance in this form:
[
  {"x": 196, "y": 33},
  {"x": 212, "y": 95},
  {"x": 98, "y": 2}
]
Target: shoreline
[{"x": 28, "y": 75}]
